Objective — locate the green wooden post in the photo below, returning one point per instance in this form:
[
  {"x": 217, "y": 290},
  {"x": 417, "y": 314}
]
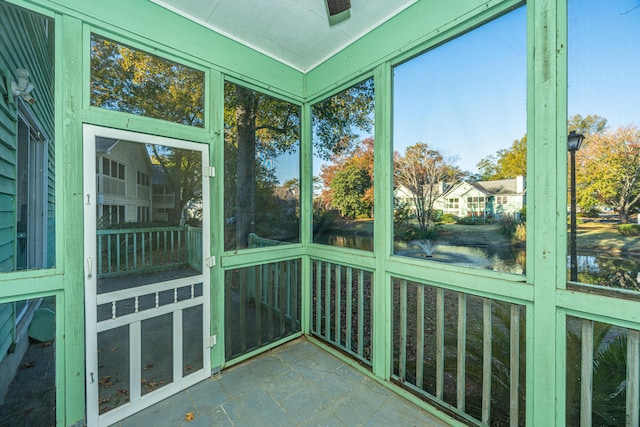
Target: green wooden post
[
  {"x": 546, "y": 161},
  {"x": 381, "y": 335},
  {"x": 215, "y": 139},
  {"x": 69, "y": 179}
]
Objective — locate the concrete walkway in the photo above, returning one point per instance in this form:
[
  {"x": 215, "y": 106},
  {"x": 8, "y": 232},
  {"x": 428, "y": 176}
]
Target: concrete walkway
[{"x": 297, "y": 384}]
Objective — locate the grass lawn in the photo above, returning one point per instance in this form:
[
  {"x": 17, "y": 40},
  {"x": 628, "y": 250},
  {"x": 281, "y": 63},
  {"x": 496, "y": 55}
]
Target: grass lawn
[
  {"x": 604, "y": 236},
  {"x": 485, "y": 234}
]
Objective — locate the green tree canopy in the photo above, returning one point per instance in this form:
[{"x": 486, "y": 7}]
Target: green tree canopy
[
  {"x": 608, "y": 171},
  {"x": 348, "y": 181},
  {"x": 133, "y": 81},
  {"x": 506, "y": 163},
  {"x": 339, "y": 120},
  {"x": 588, "y": 125}
]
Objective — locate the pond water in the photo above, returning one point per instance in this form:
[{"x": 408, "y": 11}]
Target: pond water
[
  {"x": 598, "y": 269},
  {"x": 505, "y": 258},
  {"x": 622, "y": 271},
  {"x": 352, "y": 241}
]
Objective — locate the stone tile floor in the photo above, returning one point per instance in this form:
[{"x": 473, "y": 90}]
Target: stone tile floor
[
  {"x": 31, "y": 398},
  {"x": 297, "y": 384}
]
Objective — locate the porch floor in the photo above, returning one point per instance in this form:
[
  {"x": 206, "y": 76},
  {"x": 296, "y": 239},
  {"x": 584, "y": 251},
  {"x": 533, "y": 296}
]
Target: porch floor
[{"x": 297, "y": 384}]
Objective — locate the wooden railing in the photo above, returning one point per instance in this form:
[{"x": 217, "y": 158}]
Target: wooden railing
[
  {"x": 342, "y": 307},
  {"x": 463, "y": 352},
  {"x": 603, "y": 374},
  {"x": 262, "y": 305},
  {"x": 124, "y": 251},
  {"x": 256, "y": 241}
]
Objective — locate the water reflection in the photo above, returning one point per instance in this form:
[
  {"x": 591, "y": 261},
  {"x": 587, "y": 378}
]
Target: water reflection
[
  {"x": 605, "y": 270},
  {"x": 364, "y": 243},
  {"x": 615, "y": 272},
  {"x": 497, "y": 258},
  {"x": 505, "y": 258}
]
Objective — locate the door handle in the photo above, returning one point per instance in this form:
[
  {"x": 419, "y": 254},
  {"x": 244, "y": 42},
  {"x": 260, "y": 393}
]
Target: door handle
[{"x": 89, "y": 268}]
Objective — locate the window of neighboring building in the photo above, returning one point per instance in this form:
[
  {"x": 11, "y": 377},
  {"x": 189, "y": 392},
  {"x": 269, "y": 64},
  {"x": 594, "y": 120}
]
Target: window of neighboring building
[
  {"x": 262, "y": 169},
  {"x": 136, "y": 82},
  {"x": 501, "y": 200},
  {"x": 143, "y": 214},
  {"x": 452, "y": 203},
  {"x": 111, "y": 178},
  {"x": 456, "y": 129},
  {"x": 142, "y": 179},
  {"x": 476, "y": 203},
  {"x": 111, "y": 214},
  {"x": 343, "y": 151}
]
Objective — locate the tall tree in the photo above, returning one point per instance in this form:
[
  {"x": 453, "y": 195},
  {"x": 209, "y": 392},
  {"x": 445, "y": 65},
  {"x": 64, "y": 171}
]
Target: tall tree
[
  {"x": 182, "y": 173},
  {"x": 422, "y": 172},
  {"x": 348, "y": 181},
  {"x": 258, "y": 125},
  {"x": 339, "y": 119},
  {"x": 506, "y": 163},
  {"x": 608, "y": 170},
  {"x": 589, "y": 125}
]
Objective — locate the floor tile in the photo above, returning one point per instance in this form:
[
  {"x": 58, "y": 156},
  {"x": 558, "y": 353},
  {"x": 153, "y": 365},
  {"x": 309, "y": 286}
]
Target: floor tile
[{"x": 297, "y": 384}]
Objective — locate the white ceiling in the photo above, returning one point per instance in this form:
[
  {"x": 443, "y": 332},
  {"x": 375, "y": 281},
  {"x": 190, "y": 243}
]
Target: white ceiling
[{"x": 295, "y": 32}]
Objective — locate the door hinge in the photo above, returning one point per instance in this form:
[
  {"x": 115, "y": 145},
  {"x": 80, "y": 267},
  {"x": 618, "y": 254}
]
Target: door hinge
[
  {"x": 209, "y": 172},
  {"x": 210, "y": 261},
  {"x": 211, "y": 341}
]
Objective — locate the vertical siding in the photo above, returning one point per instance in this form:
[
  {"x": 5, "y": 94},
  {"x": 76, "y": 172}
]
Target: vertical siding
[
  {"x": 24, "y": 43},
  {"x": 7, "y": 183},
  {"x": 6, "y": 328}
]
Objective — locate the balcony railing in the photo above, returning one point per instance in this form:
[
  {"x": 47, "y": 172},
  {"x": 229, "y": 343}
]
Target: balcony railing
[
  {"x": 341, "y": 316},
  {"x": 124, "y": 251},
  {"x": 462, "y": 352},
  {"x": 262, "y": 305}
]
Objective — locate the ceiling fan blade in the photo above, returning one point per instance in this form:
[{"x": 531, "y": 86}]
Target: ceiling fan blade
[{"x": 338, "y": 6}]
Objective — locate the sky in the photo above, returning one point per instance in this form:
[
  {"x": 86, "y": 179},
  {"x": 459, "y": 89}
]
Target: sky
[
  {"x": 467, "y": 97},
  {"x": 604, "y": 60}
]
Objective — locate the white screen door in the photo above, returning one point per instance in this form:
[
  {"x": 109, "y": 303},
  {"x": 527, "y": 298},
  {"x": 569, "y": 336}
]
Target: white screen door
[{"x": 146, "y": 284}]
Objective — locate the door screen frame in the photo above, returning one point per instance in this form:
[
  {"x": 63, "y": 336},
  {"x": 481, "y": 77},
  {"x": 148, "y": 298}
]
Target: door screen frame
[{"x": 90, "y": 132}]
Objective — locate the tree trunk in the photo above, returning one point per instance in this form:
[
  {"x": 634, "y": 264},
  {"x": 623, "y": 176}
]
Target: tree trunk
[
  {"x": 246, "y": 173},
  {"x": 624, "y": 214}
]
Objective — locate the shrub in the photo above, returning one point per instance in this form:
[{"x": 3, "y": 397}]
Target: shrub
[
  {"x": 436, "y": 215},
  {"x": 324, "y": 219},
  {"x": 407, "y": 233},
  {"x": 629, "y": 229},
  {"x": 520, "y": 234},
  {"x": 590, "y": 213},
  {"x": 470, "y": 220},
  {"x": 523, "y": 214},
  {"x": 513, "y": 228},
  {"x": 449, "y": 219}
]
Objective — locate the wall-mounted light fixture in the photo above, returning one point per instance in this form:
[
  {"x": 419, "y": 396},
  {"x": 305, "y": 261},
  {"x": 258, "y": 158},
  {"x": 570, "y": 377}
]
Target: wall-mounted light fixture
[{"x": 24, "y": 87}]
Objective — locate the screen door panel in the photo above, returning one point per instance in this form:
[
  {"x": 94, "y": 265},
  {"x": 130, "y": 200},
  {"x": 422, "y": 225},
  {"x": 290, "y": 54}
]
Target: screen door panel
[{"x": 147, "y": 291}]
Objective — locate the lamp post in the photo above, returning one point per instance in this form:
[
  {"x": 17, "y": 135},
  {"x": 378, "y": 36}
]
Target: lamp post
[{"x": 574, "y": 141}]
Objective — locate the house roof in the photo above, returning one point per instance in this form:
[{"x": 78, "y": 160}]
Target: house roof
[
  {"x": 469, "y": 186},
  {"x": 105, "y": 145},
  {"x": 499, "y": 187},
  {"x": 488, "y": 188}
]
